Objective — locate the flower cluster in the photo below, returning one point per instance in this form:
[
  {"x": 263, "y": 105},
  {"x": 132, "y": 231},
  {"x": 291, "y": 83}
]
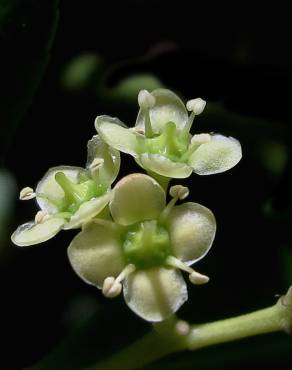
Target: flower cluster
[{"x": 131, "y": 239}]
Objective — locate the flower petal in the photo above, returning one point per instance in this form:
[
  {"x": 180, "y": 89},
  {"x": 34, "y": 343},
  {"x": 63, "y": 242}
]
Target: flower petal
[
  {"x": 116, "y": 134},
  {"x": 155, "y": 294},
  {"x": 87, "y": 211},
  {"x": 49, "y": 187},
  {"x": 33, "y": 233},
  {"x": 96, "y": 252},
  {"x": 136, "y": 197},
  {"x": 218, "y": 155},
  {"x": 168, "y": 108},
  {"x": 192, "y": 229},
  {"x": 111, "y": 157},
  {"x": 163, "y": 166}
]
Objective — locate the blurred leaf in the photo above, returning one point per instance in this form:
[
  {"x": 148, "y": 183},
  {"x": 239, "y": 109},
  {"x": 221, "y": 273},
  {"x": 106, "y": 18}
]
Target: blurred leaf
[
  {"x": 27, "y": 29},
  {"x": 128, "y": 88},
  {"x": 273, "y": 156},
  {"x": 83, "y": 73},
  {"x": 7, "y": 196},
  {"x": 286, "y": 257}
]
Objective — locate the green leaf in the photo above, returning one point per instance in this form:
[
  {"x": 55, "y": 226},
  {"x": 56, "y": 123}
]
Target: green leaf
[{"x": 27, "y": 29}]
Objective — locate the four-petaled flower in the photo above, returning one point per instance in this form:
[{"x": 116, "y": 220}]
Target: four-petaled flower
[
  {"x": 144, "y": 247},
  {"x": 161, "y": 142},
  {"x": 70, "y": 196}
]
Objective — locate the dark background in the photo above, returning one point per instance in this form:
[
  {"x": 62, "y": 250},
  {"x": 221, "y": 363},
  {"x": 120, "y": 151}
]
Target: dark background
[{"x": 239, "y": 60}]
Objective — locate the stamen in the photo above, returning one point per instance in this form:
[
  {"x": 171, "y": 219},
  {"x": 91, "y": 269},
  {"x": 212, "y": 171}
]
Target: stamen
[
  {"x": 146, "y": 101},
  {"x": 196, "y": 106},
  {"x": 194, "y": 276},
  {"x": 176, "y": 192},
  {"x": 40, "y": 217},
  {"x": 27, "y": 193},
  {"x": 196, "y": 141},
  {"x": 112, "y": 287}
]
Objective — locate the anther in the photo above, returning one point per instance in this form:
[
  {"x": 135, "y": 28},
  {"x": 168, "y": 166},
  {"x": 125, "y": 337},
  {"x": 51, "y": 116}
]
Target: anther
[
  {"x": 112, "y": 287},
  {"x": 145, "y": 100},
  {"x": 196, "y": 105},
  {"x": 198, "y": 279},
  {"x": 179, "y": 191},
  {"x": 201, "y": 139},
  {"x": 40, "y": 217},
  {"x": 27, "y": 193},
  {"x": 194, "y": 276},
  {"x": 96, "y": 164}
]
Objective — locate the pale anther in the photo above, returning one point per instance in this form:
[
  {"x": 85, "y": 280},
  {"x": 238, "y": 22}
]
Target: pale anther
[
  {"x": 194, "y": 276},
  {"x": 111, "y": 288},
  {"x": 201, "y": 139},
  {"x": 96, "y": 164},
  {"x": 40, "y": 217},
  {"x": 198, "y": 279},
  {"x": 179, "y": 191},
  {"x": 145, "y": 100},
  {"x": 196, "y": 105},
  {"x": 27, "y": 193}
]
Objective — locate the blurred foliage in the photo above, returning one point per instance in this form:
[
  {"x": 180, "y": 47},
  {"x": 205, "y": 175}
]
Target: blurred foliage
[
  {"x": 27, "y": 29},
  {"x": 7, "y": 198}
]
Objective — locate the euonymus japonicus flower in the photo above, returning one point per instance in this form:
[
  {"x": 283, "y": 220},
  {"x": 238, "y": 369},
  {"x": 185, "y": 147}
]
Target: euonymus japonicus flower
[
  {"x": 161, "y": 141},
  {"x": 143, "y": 250},
  {"x": 70, "y": 196}
]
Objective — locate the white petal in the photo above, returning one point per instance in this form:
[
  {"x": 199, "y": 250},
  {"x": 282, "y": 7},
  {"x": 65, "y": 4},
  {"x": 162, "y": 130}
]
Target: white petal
[
  {"x": 116, "y": 134},
  {"x": 163, "y": 166},
  {"x": 87, "y": 211},
  {"x": 97, "y": 148},
  {"x": 168, "y": 108},
  {"x": 192, "y": 229},
  {"x": 49, "y": 187},
  {"x": 155, "y": 294},
  {"x": 136, "y": 197},
  {"x": 33, "y": 233},
  {"x": 218, "y": 155},
  {"x": 96, "y": 252}
]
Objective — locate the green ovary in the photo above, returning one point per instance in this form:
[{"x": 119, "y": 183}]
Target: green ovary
[
  {"x": 169, "y": 143},
  {"x": 77, "y": 194},
  {"x": 146, "y": 245}
]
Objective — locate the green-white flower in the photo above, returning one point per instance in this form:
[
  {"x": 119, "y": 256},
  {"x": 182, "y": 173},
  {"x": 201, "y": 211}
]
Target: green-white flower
[
  {"x": 143, "y": 249},
  {"x": 70, "y": 196},
  {"x": 161, "y": 141}
]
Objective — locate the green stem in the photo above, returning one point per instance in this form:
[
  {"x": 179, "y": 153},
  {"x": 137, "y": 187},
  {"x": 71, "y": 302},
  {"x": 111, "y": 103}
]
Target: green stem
[{"x": 165, "y": 339}]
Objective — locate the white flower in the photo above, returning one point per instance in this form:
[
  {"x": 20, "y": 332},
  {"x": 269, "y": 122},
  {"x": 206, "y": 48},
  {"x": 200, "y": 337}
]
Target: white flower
[
  {"x": 161, "y": 141},
  {"x": 143, "y": 249},
  {"x": 70, "y": 196}
]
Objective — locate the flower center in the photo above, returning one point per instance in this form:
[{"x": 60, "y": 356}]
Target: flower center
[
  {"x": 146, "y": 244},
  {"x": 76, "y": 194},
  {"x": 169, "y": 143}
]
